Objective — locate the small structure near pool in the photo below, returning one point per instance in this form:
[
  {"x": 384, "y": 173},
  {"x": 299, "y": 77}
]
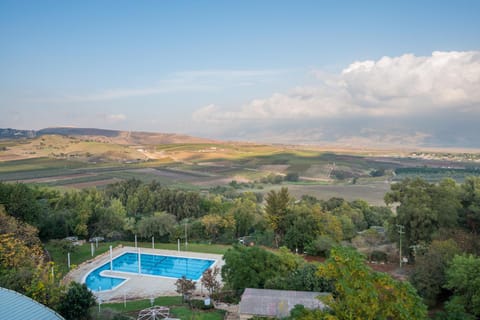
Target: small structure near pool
[
  {"x": 154, "y": 313},
  {"x": 276, "y": 303}
]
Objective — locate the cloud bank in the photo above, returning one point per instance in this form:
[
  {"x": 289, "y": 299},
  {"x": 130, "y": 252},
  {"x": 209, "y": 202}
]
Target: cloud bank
[{"x": 419, "y": 100}]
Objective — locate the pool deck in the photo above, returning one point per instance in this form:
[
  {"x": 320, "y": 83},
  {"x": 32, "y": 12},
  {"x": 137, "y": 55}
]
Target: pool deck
[{"x": 138, "y": 286}]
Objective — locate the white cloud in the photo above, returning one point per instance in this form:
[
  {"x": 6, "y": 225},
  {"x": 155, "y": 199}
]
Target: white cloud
[
  {"x": 404, "y": 88},
  {"x": 116, "y": 117},
  {"x": 387, "y": 87}
]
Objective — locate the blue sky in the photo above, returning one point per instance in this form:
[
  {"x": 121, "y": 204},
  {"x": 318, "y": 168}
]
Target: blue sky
[{"x": 280, "y": 71}]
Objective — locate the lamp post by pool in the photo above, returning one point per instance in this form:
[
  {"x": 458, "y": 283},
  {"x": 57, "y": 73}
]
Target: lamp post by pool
[
  {"x": 92, "y": 249},
  {"x": 135, "y": 240},
  {"x": 153, "y": 242},
  {"x": 139, "y": 262},
  {"x": 401, "y": 230},
  {"x": 186, "y": 238},
  {"x": 111, "y": 263},
  {"x": 68, "y": 260}
]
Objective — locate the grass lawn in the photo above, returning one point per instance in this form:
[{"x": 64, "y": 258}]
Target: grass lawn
[
  {"x": 83, "y": 253},
  {"x": 177, "y": 309},
  {"x": 137, "y": 305}
]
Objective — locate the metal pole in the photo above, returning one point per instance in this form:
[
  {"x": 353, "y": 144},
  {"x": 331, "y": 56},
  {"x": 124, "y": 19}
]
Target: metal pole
[
  {"x": 135, "y": 240},
  {"x": 139, "y": 262},
  {"x": 153, "y": 242},
  {"x": 111, "y": 263},
  {"x": 400, "y": 232},
  {"x": 92, "y": 249},
  {"x": 96, "y": 242},
  {"x": 186, "y": 241},
  {"x": 68, "y": 260},
  {"x": 178, "y": 244}
]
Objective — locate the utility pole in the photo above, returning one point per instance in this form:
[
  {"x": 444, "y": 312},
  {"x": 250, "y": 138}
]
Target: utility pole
[
  {"x": 186, "y": 241},
  {"x": 401, "y": 230}
]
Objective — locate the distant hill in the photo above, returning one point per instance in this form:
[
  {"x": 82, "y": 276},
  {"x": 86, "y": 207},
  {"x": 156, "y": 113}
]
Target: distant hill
[
  {"x": 10, "y": 133},
  {"x": 113, "y": 136},
  {"x": 68, "y": 131}
]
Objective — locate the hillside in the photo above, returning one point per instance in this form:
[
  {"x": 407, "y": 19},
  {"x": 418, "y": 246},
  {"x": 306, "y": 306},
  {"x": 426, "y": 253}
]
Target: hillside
[{"x": 82, "y": 157}]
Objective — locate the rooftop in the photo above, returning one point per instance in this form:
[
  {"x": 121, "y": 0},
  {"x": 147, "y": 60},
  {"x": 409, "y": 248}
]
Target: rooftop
[
  {"x": 14, "y": 305},
  {"x": 277, "y": 303}
]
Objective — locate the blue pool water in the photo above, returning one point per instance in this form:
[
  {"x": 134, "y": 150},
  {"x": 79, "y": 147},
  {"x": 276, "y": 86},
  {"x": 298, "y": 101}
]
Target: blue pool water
[{"x": 154, "y": 265}]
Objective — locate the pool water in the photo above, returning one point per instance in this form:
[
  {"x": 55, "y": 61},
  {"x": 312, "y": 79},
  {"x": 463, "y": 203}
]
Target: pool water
[{"x": 151, "y": 264}]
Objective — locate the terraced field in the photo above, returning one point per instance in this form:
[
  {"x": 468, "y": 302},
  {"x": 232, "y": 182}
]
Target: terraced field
[{"x": 70, "y": 162}]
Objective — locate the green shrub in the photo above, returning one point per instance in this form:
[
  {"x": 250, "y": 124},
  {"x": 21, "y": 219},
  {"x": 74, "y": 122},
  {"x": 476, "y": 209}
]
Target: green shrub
[
  {"x": 200, "y": 304},
  {"x": 379, "y": 256}
]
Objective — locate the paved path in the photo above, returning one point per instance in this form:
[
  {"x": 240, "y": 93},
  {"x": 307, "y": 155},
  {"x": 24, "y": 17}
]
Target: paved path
[{"x": 138, "y": 286}]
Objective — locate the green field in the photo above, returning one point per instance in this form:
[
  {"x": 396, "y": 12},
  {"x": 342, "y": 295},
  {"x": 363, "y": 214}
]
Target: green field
[{"x": 201, "y": 166}]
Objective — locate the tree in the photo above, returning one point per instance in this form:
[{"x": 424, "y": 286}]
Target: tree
[
  {"x": 428, "y": 276},
  {"x": 470, "y": 200},
  {"x": 321, "y": 246},
  {"x": 303, "y": 278},
  {"x": 276, "y": 209},
  {"x": 161, "y": 224},
  {"x": 360, "y": 293},
  {"x": 250, "y": 267},
  {"x": 302, "y": 227},
  {"x": 22, "y": 263},
  {"x": 245, "y": 213},
  {"x": 462, "y": 279},
  {"x": 216, "y": 225},
  {"x": 210, "y": 281},
  {"x": 185, "y": 287},
  {"x": 20, "y": 201},
  {"x": 415, "y": 210},
  {"x": 111, "y": 220},
  {"x": 292, "y": 176},
  {"x": 77, "y": 302}
]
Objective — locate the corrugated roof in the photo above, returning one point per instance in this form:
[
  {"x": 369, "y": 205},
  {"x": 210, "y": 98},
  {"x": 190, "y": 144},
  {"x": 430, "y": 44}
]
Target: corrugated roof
[
  {"x": 277, "y": 303},
  {"x": 14, "y": 305}
]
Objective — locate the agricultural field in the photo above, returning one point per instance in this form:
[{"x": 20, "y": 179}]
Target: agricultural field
[{"x": 77, "y": 162}]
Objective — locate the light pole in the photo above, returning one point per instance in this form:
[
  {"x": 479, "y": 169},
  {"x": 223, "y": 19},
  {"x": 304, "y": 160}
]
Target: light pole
[
  {"x": 186, "y": 238},
  {"x": 401, "y": 231}
]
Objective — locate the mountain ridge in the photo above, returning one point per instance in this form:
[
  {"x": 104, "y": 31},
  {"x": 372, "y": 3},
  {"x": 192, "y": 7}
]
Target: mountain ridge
[{"x": 116, "y": 136}]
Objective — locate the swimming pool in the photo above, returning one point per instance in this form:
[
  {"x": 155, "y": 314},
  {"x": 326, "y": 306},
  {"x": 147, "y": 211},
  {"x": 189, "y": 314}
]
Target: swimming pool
[{"x": 151, "y": 265}]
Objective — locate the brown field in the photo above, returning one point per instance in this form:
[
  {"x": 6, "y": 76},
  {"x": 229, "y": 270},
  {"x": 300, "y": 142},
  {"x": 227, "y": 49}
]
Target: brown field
[
  {"x": 91, "y": 184},
  {"x": 373, "y": 193},
  {"x": 56, "y": 178}
]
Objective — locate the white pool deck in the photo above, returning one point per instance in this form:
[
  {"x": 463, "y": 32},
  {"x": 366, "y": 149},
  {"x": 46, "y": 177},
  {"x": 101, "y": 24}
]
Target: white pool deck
[{"x": 138, "y": 286}]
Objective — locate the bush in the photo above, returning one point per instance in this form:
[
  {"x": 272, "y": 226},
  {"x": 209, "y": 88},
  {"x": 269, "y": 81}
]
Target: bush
[
  {"x": 379, "y": 256},
  {"x": 200, "y": 304},
  {"x": 227, "y": 296},
  {"x": 320, "y": 246},
  {"x": 292, "y": 176}
]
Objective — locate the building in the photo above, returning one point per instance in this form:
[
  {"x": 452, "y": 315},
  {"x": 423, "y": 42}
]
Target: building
[
  {"x": 14, "y": 305},
  {"x": 276, "y": 303}
]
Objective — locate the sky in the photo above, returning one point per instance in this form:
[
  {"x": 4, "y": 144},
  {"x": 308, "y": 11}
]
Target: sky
[{"x": 353, "y": 73}]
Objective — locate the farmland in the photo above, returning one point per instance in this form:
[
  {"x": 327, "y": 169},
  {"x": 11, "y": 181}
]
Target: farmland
[{"x": 76, "y": 162}]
